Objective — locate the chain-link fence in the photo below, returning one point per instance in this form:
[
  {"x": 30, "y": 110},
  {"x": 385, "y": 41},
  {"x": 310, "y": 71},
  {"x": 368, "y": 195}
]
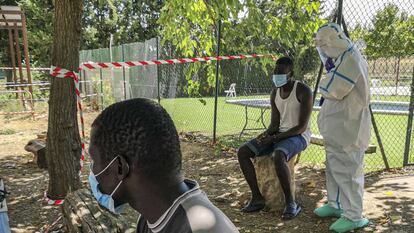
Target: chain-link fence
[
  {"x": 187, "y": 90},
  {"x": 384, "y": 31},
  {"x": 114, "y": 85},
  {"x": 23, "y": 98}
]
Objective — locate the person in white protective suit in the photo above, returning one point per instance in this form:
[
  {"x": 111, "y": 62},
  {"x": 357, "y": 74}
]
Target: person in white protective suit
[{"x": 344, "y": 122}]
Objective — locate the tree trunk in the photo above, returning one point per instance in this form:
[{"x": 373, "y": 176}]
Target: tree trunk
[
  {"x": 63, "y": 139},
  {"x": 269, "y": 183}
]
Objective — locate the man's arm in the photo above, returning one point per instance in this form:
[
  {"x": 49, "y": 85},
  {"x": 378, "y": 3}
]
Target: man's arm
[
  {"x": 304, "y": 95},
  {"x": 274, "y": 120},
  {"x": 275, "y": 115}
]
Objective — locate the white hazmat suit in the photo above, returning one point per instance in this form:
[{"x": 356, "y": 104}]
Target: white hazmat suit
[{"x": 344, "y": 119}]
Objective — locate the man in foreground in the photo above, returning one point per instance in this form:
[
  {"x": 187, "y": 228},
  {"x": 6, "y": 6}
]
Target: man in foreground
[{"x": 137, "y": 161}]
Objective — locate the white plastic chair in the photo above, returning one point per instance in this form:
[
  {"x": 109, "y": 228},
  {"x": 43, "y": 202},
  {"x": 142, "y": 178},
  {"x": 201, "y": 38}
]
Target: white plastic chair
[
  {"x": 231, "y": 92},
  {"x": 376, "y": 83}
]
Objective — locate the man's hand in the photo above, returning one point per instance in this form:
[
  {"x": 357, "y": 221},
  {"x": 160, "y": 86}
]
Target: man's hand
[
  {"x": 270, "y": 139},
  {"x": 261, "y": 136}
]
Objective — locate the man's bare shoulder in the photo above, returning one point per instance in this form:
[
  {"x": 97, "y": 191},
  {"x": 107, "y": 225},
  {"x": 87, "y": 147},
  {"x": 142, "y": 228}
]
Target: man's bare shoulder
[
  {"x": 303, "y": 91},
  {"x": 302, "y": 87},
  {"x": 273, "y": 92}
]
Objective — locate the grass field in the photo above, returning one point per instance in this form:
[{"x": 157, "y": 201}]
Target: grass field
[{"x": 192, "y": 114}]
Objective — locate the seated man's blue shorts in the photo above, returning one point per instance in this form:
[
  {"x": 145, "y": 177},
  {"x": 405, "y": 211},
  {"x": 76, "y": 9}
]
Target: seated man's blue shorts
[{"x": 290, "y": 146}]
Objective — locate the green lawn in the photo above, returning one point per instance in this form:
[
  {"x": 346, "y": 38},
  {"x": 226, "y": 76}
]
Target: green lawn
[{"x": 191, "y": 114}]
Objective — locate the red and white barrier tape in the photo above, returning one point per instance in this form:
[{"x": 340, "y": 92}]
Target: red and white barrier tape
[
  {"x": 100, "y": 65},
  {"x": 62, "y": 73}
]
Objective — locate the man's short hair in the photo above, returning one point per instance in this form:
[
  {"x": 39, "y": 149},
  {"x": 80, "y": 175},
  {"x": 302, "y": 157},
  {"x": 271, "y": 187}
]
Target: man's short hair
[
  {"x": 141, "y": 131},
  {"x": 286, "y": 61}
]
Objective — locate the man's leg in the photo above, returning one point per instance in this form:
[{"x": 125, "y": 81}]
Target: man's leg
[
  {"x": 245, "y": 155},
  {"x": 283, "y": 173},
  {"x": 284, "y": 151}
]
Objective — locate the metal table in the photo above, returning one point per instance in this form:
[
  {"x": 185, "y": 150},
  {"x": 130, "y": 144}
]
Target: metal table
[
  {"x": 262, "y": 104},
  {"x": 378, "y": 107}
]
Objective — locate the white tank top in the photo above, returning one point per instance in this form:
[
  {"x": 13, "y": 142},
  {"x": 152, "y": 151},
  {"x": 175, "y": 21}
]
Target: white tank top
[{"x": 289, "y": 110}]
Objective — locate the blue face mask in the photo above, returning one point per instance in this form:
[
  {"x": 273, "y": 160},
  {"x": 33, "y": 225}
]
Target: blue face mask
[
  {"x": 279, "y": 79},
  {"x": 104, "y": 200}
]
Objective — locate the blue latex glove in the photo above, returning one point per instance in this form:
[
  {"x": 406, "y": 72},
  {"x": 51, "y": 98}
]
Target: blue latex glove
[
  {"x": 329, "y": 64},
  {"x": 321, "y": 101}
]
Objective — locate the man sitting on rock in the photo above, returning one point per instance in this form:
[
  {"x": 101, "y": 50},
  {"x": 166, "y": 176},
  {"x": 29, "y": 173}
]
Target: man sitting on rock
[
  {"x": 137, "y": 161},
  {"x": 288, "y": 134}
]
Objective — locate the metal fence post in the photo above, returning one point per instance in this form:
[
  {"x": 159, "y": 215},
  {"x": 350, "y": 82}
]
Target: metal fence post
[
  {"x": 158, "y": 73},
  {"x": 409, "y": 125},
  {"x": 341, "y": 21},
  {"x": 318, "y": 78},
  {"x": 379, "y": 140},
  {"x": 101, "y": 96},
  {"x": 217, "y": 82},
  {"x": 339, "y": 16},
  {"x": 123, "y": 73}
]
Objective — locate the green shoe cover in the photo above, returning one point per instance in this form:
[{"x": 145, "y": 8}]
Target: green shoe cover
[
  {"x": 344, "y": 225},
  {"x": 328, "y": 211}
]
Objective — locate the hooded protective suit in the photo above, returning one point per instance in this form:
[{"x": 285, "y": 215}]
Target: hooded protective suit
[{"x": 344, "y": 119}]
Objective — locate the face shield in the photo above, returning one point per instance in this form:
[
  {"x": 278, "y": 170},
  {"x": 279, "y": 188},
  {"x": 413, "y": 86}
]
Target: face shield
[{"x": 331, "y": 41}]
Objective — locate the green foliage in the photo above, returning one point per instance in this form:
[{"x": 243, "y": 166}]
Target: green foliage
[
  {"x": 306, "y": 61},
  {"x": 39, "y": 15},
  {"x": 4, "y": 38},
  {"x": 276, "y": 27},
  {"x": 392, "y": 34},
  {"x": 128, "y": 21},
  {"x": 357, "y": 33},
  {"x": 107, "y": 92}
]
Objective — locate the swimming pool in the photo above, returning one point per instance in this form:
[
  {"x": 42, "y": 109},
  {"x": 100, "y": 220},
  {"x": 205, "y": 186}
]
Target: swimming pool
[{"x": 383, "y": 107}]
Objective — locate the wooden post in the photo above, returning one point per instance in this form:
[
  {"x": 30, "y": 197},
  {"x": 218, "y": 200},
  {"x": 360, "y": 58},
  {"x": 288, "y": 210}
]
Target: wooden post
[
  {"x": 26, "y": 54},
  {"x": 19, "y": 61},
  {"x": 13, "y": 59},
  {"x": 18, "y": 53}
]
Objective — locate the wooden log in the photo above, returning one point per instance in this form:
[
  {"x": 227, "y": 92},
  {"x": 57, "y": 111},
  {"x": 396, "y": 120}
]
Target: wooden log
[
  {"x": 38, "y": 148},
  {"x": 82, "y": 214},
  {"x": 269, "y": 184}
]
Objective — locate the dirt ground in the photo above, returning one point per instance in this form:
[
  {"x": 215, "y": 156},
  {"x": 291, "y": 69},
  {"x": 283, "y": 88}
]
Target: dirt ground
[{"x": 389, "y": 196}]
